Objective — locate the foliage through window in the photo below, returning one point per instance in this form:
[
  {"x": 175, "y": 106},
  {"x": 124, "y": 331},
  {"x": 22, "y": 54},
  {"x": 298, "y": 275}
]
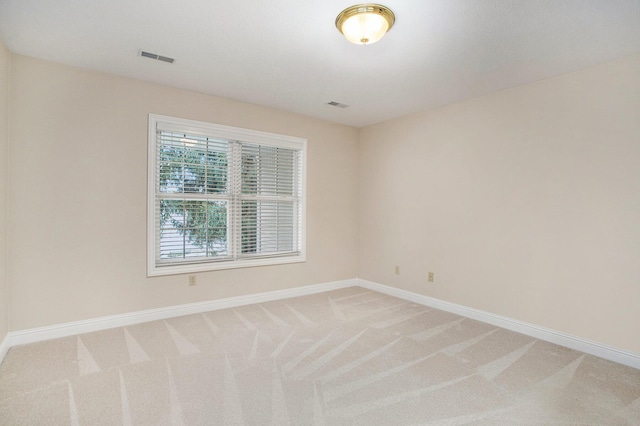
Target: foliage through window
[{"x": 222, "y": 197}]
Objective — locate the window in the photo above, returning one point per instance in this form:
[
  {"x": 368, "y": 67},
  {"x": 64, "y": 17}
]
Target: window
[{"x": 222, "y": 197}]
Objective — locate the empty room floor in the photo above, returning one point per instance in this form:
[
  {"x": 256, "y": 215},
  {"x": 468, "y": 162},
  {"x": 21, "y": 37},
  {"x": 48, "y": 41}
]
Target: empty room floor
[{"x": 345, "y": 357}]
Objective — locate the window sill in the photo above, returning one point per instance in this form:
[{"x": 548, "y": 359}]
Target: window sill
[{"x": 189, "y": 268}]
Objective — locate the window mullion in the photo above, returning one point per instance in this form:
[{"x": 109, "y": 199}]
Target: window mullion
[
  {"x": 297, "y": 191},
  {"x": 206, "y": 191},
  {"x": 235, "y": 205},
  {"x": 184, "y": 228},
  {"x": 157, "y": 200}
]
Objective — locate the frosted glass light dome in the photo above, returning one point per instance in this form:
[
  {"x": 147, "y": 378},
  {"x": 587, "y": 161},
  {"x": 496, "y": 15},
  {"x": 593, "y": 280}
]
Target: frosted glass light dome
[{"x": 365, "y": 23}]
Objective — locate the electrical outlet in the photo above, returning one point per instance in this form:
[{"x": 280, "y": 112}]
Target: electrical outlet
[
  {"x": 397, "y": 270},
  {"x": 431, "y": 277},
  {"x": 192, "y": 280}
]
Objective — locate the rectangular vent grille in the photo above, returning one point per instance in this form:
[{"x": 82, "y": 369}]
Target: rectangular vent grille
[
  {"x": 337, "y": 104},
  {"x": 156, "y": 57}
]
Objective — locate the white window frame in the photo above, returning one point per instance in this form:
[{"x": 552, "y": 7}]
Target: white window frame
[{"x": 232, "y": 134}]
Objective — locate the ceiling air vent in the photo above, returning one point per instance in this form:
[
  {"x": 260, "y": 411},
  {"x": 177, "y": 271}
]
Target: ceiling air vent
[
  {"x": 337, "y": 104},
  {"x": 157, "y": 57}
]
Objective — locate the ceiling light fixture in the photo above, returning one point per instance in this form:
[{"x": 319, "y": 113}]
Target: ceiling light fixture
[{"x": 365, "y": 23}]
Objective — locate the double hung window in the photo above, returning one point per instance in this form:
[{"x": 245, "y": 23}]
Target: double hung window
[{"x": 222, "y": 197}]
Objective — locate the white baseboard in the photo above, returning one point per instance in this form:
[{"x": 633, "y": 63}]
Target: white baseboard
[
  {"x": 4, "y": 346},
  {"x": 96, "y": 324},
  {"x": 562, "y": 339}
]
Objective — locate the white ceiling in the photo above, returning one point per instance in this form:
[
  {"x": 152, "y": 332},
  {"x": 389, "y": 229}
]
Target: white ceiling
[{"x": 287, "y": 54}]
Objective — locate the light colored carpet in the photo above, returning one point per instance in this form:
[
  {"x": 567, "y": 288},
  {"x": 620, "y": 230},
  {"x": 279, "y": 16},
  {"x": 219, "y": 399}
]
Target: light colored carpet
[{"x": 346, "y": 357}]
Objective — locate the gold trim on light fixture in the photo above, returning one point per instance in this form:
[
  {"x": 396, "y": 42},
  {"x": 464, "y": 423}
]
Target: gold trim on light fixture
[{"x": 361, "y": 24}]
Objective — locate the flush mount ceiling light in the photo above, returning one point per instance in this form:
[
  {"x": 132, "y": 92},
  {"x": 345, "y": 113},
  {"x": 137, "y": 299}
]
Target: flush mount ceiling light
[{"x": 365, "y": 23}]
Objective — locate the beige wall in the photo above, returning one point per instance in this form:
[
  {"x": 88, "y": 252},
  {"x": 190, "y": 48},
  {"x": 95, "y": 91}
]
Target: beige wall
[
  {"x": 525, "y": 203},
  {"x": 5, "y": 59},
  {"x": 77, "y": 215}
]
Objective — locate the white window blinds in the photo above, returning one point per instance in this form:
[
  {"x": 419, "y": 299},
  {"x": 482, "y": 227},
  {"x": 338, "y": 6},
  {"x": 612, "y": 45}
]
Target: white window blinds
[
  {"x": 269, "y": 200},
  {"x": 223, "y": 197}
]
